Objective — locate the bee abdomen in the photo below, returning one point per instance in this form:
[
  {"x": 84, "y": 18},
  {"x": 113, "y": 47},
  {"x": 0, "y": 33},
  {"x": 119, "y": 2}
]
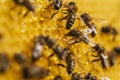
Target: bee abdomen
[
  {"x": 71, "y": 66},
  {"x": 70, "y": 20}
]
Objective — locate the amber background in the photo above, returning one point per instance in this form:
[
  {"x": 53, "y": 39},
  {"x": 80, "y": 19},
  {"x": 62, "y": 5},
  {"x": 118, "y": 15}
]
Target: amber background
[{"x": 18, "y": 33}]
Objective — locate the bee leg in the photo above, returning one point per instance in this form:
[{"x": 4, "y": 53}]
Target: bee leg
[
  {"x": 51, "y": 55},
  {"x": 63, "y": 18},
  {"x": 20, "y": 12},
  {"x": 48, "y": 58},
  {"x": 64, "y": 12},
  {"x": 48, "y": 6},
  {"x": 75, "y": 42},
  {"x": 61, "y": 65},
  {"x": 25, "y": 14},
  {"x": 95, "y": 60},
  {"x": 95, "y": 55},
  {"x": 54, "y": 15}
]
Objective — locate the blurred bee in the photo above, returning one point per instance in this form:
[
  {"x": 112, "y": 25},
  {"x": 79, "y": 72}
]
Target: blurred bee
[
  {"x": 32, "y": 71},
  {"x": 117, "y": 49},
  {"x": 20, "y": 58},
  {"x": 25, "y": 3},
  {"x": 58, "y": 77},
  {"x": 101, "y": 54},
  {"x": 40, "y": 42},
  {"x": 71, "y": 11},
  {"x": 57, "y": 49},
  {"x": 113, "y": 55},
  {"x": 4, "y": 62},
  {"x": 109, "y": 30},
  {"x": 63, "y": 54},
  {"x": 79, "y": 36},
  {"x": 92, "y": 30},
  {"x": 38, "y": 48}
]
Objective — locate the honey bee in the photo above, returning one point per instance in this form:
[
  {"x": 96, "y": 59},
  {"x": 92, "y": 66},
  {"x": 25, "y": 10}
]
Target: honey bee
[
  {"x": 92, "y": 29},
  {"x": 71, "y": 9},
  {"x": 86, "y": 18},
  {"x": 32, "y": 71},
  {"x": 69, "y": 60},
  {"x": 66, "y": 55},
  {"x": 112, "y": 55},
  {"x": 79, "y": 36},
  {"x": 101, "y": 54}
]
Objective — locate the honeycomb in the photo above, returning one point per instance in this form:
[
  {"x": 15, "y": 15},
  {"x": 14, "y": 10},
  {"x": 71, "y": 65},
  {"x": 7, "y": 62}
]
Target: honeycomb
[{"x": 17, "y": 32}]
